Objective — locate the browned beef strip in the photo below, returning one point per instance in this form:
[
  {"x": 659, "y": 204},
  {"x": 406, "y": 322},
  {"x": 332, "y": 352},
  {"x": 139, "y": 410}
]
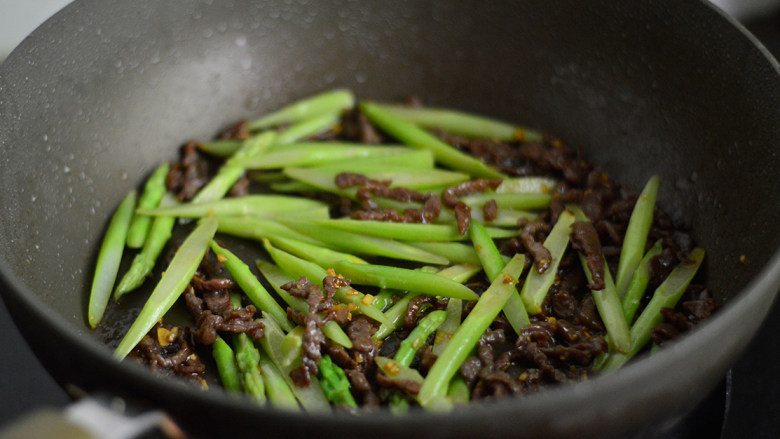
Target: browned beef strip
[
  {"x": 319, "y": 301},
  {"x": 463, "y": 217},
  {"x": 408, "y": 386},
  {"x": 490, "y": 211},
  {"x": 450, "y": 195},
  {"x": 356, "y": 127},
  {"x": 542, "y": 256},
  {"x": 187, "y": 176},
  {"x": 176, "y": 357},
  {"x": 585, "y": 240},
  {"x": 239, "y": 131}
]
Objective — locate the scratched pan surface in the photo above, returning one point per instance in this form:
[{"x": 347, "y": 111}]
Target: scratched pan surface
[{"x": 105, "y": 90}]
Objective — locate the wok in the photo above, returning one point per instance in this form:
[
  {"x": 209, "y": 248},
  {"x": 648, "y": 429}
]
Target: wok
[{"x": 105, "y": 90}]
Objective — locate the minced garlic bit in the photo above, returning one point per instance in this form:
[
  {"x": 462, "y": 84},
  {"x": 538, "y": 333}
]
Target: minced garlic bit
[
  {"x": 331, "y": 272},
  {"x": 392, "y": 368},
  {"x": 442, "y": 337},
  {"x": 523, "y": 376},
  {"x": 507, "y": 279},
  {"x": 742, "y": 259},
  {"x": 165, "y": 336},
  {"x": 352, "y": 292},
  {"x": 368, "y": 299},
  {"x": 221, "y": 258}
]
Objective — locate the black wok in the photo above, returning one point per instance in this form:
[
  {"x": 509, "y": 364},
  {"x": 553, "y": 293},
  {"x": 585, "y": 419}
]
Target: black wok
[{"x": 105, "y": 90}]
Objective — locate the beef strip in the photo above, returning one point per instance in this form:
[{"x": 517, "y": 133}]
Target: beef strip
[
  {"x": 169, "y": 350},
  {"x": 585, "y": 240},
  {"x": 186, "y": 177}
]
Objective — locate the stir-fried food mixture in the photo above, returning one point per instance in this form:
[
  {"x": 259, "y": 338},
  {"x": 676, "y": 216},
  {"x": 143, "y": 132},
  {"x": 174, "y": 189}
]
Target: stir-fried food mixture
[{"x": 406, "y": 257}]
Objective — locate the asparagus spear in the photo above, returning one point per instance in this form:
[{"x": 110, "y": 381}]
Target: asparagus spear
[
  {"x": 384, "y": 276},
  {"x": 332, "y": 101},
  {"x": 459, "y": 392},
  {"x": 537, "y": 285},
  {"x": 259, "y": 205},
  {"x": 466, "y": 337},
  {"x": 308, "y": 127},
  {"x": 384, "y": 299},
  {"x": 361, "y": 244},
  {"x": 414, "y": 232},
  {"x": 639, "y": 282},
  {"x": 229, "y": 173},
  {"x": 258, "y": 228},
  {"x": 313, "y": 153},
  {"x": 109, "y": 258},
  {"x": 459, "y": 273},
  {"x": 418, "y": 138},
  {"x": 522, "y": 201},
  {"x": 408, "y": 348},
  {"x": 143, "y": 262},
  {"x": 665, "y": 296},
  {"x": 225, "y": 359},
  {"x": 398, "y": 174},
  {"x": 449, "y": 326},
  {"x": 247, "y": 359},
  {"x": 171, "y": 285},
  {"x": 416, "y": 339},
  {"x": 461, "y": 123},
  {"x": 279, "y": 392},
  {"x": 636, "y": 235},
  {"x": 220, "y": 148},
  {"x": 311, "y": 398},
  {"x": 493, "y": 263},
  {"x": 455, "y": 252},
  {"x": 313, "y": 253},
  {"x": 154, "y": 189},
  {"x": 606, "y": 299},
  {"x": 411, "y": 159},
  {"x": 334, "y": 383}
]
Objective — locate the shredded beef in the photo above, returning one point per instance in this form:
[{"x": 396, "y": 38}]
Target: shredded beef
[
  {"x": 209, "y": 303},
  {"x": 419, "y": 308},
  {"x": 463, "y": 217},
  {"x": 408, "y": 386},
  {"x": 240, "y": 188},
  {"x": 368, "y": 187},
  {"x": 450, "y": 195},
  {"x": 490, "y": 211},
  {"x": 239, "y": 131},
  {"x": 560, "y": 350},
  {"x": 542, "y": 256},
  {"x": 313, "y": 338},
  {"x": 585, "y": 239},
  {"x": 190, "y": 174},
  {"x": 175, "y": 355},
  {"x": 356, "y": 127}
]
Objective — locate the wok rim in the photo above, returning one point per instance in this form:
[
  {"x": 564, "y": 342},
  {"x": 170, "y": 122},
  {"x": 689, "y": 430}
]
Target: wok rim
[{"x": 762, "y": 288}]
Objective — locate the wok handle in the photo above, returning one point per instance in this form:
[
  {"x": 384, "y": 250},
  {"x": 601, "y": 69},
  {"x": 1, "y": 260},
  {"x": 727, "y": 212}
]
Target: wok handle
[{"x": 89, "y": 419}]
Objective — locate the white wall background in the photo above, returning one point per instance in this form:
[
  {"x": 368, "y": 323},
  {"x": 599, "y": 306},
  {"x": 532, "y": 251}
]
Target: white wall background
[{"x": 18, "y": 18}]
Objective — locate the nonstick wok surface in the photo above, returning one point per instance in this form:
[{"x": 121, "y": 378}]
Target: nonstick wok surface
[{"x": 94, "y": 100}]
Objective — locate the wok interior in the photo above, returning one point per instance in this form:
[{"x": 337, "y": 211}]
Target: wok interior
[{"x": 96, "y": 100}]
